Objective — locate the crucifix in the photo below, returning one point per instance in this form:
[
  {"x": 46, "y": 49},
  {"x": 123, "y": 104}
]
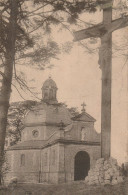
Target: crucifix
[{"x": 104, "y": 32}]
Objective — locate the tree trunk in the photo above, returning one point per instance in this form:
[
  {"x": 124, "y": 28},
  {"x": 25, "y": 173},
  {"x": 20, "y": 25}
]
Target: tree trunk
[{"x": 7, "y": 76}]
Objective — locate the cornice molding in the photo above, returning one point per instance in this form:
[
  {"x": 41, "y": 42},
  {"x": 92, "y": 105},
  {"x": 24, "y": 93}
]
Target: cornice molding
[
  {"x": 42, "y": 124},
  {"x": 61, "y": 141}
]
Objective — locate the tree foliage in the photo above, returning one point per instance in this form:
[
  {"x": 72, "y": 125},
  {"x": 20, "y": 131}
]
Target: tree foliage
[
  {"x": 40, "y": 16},
  {"x": 16, "y": 114}
]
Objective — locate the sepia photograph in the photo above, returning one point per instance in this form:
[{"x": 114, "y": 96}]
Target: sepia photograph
[{"x": 63, "y": 97}]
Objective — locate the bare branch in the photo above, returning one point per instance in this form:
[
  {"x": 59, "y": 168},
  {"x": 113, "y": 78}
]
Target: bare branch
[
  {"x": 23, "y": 85},
  {"x": 18, "y": 92}
]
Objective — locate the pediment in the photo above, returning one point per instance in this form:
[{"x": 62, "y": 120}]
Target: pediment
[{"x": 84, "y": 117}]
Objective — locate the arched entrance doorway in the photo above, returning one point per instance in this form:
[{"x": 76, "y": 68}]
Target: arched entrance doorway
[{"x": 81, "y": 165}]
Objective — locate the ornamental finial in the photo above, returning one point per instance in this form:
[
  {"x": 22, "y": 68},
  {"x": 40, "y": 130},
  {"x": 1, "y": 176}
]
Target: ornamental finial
[{"x": 61, "y": 125}]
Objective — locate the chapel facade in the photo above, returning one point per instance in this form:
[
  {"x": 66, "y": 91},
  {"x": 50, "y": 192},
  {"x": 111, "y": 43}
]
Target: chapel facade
[{"x": 55, "y": 147}]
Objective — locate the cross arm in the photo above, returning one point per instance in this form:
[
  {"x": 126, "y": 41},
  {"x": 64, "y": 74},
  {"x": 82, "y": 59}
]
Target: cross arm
[
  {"x": 94, "y": 31},
  {"x": 118, "y": 24},
  {"x": 100, "y": 29}
]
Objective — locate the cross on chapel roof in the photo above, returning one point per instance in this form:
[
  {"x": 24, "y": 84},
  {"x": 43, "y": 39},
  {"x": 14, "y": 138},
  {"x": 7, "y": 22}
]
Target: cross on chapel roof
[{"x": 83, "y": 107}]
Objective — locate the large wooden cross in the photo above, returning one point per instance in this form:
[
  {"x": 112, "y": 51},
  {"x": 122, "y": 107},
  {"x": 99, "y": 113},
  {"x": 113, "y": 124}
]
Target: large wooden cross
[{"x": 104, "y": 32}]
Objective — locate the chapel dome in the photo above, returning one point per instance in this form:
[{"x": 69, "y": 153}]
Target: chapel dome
[
  {"x": 49, "y": 83},
  {"x": 49, "y": 114}
]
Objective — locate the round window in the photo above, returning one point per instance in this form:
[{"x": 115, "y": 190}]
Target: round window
[{"x": 35, "y": 133}]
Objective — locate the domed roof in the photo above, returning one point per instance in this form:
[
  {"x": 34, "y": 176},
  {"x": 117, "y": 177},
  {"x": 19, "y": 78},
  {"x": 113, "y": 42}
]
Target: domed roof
[
  {"x": 50, "y": 114},
  {"x": 49, "y": 83}
]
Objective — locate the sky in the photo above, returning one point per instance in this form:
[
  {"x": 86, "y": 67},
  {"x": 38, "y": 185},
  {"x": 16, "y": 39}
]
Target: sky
[{"x": 78, "y": 78}]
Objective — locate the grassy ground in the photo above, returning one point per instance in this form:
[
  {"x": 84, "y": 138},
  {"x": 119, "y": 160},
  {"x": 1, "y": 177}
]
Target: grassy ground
[{"x": 75, "y": 188}]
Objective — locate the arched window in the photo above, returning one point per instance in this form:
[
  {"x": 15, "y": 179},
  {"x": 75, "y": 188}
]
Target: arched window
[
  {"x": 22, "y": 160},
  {"x": 53, "y": 157},
  {"x": 45, "y": 158},
  {"x": 50, "y": 93},
  {"x": 45, "y": 93}
]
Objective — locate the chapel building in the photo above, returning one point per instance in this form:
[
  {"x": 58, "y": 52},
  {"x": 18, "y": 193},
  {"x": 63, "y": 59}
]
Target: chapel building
[{"x": 55, "y": 147}]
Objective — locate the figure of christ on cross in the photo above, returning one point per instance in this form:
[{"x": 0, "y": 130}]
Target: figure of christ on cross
[{"x": 104, "y": 32}]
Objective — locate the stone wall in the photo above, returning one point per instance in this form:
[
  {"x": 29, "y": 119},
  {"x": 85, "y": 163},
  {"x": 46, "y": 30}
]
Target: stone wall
[
  {"x": 28, "y": 177},
  {"x": 105, "y": 172},
  {"x": 39, "y": 166},
  {"x": 26, "y": 171},
  {"x": 50, "y": 164}
]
